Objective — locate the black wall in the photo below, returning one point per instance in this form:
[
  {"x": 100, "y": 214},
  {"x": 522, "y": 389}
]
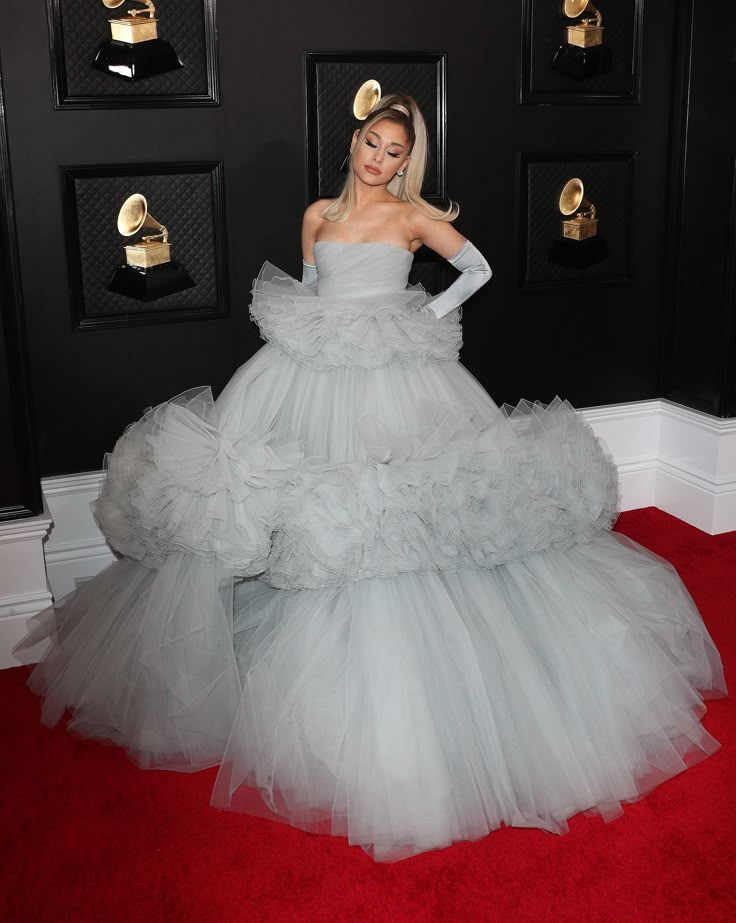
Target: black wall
[
  {"x": 594, "y": 345},
  {"x": 702, "y": 344}
]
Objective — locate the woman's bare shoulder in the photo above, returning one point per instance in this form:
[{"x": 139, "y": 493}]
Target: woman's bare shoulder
[
  {"x": 315, "y": 210},
  {"x": 416, "y": 219}
]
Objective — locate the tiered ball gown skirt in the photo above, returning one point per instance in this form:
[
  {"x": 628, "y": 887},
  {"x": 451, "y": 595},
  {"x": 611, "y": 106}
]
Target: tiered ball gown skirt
[{"x": 388, "y": 609}]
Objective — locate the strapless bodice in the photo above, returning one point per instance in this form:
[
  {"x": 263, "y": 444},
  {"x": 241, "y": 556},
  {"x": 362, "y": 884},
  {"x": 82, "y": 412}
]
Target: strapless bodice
[
  {"x": 361, "y": 269},
  {"x": 363, "y": 314}
]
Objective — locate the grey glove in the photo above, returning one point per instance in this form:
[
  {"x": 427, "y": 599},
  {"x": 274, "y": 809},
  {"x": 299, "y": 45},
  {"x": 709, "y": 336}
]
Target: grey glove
[
  {"x": 309, "y": 275},
  {"x": 475, "y": 273}
]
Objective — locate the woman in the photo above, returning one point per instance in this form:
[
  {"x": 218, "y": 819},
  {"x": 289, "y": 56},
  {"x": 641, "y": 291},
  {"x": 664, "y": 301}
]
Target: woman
[{"x": 389, "y": 610}]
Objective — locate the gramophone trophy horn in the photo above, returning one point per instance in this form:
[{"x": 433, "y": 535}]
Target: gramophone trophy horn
[
  {"x": 134, "y": 215},
  {"x": 573, "y": 202},
  {"x": 135, "y": 50},
  {"x": 149, "y": 271},
  {"x": 366, "y": 99},
  {"x": 583, "y": 53},
  {"x": 151, "y": 250}
]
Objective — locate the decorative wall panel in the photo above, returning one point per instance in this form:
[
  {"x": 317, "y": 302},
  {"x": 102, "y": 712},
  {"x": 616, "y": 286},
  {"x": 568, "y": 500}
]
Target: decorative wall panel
[
  {"x": 555, "y": 70},
  {"x": 187, "y": 198},
  {"x": 79, "y": 28},
  {"x": 548, "y": 259}
]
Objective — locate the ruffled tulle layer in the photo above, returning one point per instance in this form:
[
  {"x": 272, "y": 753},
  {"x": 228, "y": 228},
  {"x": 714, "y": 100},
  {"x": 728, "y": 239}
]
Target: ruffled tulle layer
[
  {"x": 144, "y": 658},
  {"x": 403, "y": 713},
  {"x": 449, "y": 495},
  {"x": 177, "y": 483},
  {"x": 362, "y": 331},
  {"x": 453, "y": 492},
  {"x": 412, "y": 712}
]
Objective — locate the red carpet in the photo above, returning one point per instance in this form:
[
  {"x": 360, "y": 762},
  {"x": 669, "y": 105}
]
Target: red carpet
[{"x": 88, "y": 836}]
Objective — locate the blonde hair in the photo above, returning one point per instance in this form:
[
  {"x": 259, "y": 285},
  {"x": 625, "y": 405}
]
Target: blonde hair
[{"x": 404, "y": 111}]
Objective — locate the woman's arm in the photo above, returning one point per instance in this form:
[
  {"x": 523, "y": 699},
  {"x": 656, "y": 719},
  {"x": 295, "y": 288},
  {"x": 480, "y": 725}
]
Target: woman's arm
[
  {"x": 310, "y": 225},
  {"x": 441, "y": 237}
]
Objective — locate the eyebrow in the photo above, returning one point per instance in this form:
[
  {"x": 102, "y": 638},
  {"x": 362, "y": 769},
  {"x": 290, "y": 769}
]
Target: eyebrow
[{"x": 392, "y": 143}]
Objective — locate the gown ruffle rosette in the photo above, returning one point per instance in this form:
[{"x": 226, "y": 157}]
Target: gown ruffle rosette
[
  {"x": 389, "y": 609},
  {"x": 176, "y": 483}
]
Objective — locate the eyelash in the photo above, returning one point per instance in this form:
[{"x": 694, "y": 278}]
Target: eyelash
[{"x": 390, "y": 153}]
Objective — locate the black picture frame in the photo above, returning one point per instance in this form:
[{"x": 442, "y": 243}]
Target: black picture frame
[
  {"x": 77, "y": 85},
  {"x": 540, "y": 179},
  {"x": 330, "y": 82},
  {"x": 94, "y": 246},
  {"x": 542, "y": 32}
]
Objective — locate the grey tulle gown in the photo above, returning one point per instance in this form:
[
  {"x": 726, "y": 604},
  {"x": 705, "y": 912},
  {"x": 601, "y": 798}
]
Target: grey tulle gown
[{"x": 387, "y": 608}]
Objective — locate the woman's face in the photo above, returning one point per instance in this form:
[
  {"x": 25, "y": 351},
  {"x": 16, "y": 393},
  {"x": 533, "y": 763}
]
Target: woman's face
[{"x": 383, "y": 151}]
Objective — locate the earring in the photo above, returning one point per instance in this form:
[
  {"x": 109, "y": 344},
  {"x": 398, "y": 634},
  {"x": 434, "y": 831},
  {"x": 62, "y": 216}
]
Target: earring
[{"x": 399, "y": 172}]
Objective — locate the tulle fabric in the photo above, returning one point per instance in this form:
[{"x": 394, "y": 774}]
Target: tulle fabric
[
  {"x": 449, "y": 495},
  {"x": 144, "y": 658},
  {"x": 367, "y": 324},
  {"x": 390, "y": 609},
  {"x": 177, "y": 483},
  {"x": 411, "y": 712}
]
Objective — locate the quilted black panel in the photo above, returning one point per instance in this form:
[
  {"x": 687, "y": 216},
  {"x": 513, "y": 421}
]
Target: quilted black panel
[
  {"x": 85, "y": 27},
  {"x": 545, "y": 32},
  {"x": 184, "y": 202},
  {"x": 608, "y": 185},
  {"x": 332, "y": 81}
]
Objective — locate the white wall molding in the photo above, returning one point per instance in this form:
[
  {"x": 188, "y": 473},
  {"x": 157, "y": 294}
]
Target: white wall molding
[
  {"x": 631, "y": 432},
  {"x": 24, "y": 589},
  {"x": 76, "y": 549},
  {"x": 669, "y": 456},
  {"x": 697, "y": 468},
  {"x": 672, "y": 457}
]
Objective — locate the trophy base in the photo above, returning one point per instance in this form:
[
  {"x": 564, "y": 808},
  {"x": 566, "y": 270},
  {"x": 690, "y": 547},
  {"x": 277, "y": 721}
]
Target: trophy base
[
  {"x": 150, "y": 284},
  {"x": 578, "y": 254},
  {"x": 579, "y": 63},
  {"x": 134, "y": 62}
]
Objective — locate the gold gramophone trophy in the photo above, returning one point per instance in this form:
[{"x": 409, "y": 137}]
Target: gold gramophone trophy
[
  {"x": 135, "y": 51},
  {"x": 580, "y": 245},
  {"x": 573, "y": 202},
  {"x": 149, "y": 272},
  {"x": 583, "y": 54},
  {"x": 364, "y": 102}
]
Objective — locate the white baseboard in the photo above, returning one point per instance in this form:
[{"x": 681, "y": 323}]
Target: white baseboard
[
  {"x": 631, "y": 432},
  {"x": 675, "y": 458},
  {"x": 76, "y": 549},
  {"x": 669, "y": 456},
  {"x": 24, "y": 589}
]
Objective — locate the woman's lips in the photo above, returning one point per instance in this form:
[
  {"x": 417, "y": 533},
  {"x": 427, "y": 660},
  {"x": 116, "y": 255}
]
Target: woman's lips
[{"x": 373, "y": 170}]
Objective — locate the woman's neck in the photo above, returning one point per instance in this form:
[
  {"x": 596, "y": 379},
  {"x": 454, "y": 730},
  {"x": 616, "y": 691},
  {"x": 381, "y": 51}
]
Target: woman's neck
[{"x": 364, "y": 195}]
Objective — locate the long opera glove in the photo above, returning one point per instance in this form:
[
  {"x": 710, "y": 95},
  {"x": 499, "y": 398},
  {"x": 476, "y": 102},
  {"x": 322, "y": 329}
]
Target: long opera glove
[
  {"x": 309, "y": 275},
  {"x": 475, "y": 272}
]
